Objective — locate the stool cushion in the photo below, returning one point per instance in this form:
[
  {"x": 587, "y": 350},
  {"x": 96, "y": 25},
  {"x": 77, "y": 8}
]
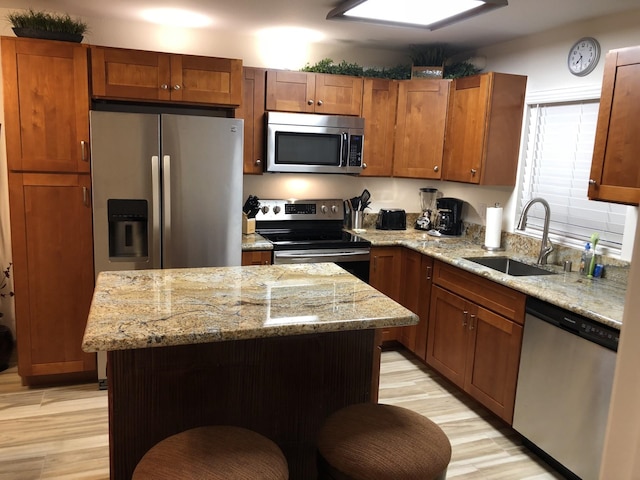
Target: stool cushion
[
  {"x": 213, "y": 452},
  {"x": 383, "y": 442}
]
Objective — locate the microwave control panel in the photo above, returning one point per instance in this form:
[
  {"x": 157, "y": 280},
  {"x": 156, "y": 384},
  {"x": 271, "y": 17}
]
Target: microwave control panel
[{"x": 355, "y": 150}]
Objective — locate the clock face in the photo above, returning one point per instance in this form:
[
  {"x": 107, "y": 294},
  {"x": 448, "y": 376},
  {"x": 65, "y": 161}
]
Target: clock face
[{"x": 583, "y": 56}]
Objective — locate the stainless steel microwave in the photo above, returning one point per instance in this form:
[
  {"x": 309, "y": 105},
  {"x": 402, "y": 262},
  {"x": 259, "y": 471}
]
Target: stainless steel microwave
[{"x": 309, "y": 143}]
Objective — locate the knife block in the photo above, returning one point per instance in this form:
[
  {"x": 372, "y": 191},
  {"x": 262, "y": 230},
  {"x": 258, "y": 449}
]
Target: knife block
[{"x": 248, "y": 224}]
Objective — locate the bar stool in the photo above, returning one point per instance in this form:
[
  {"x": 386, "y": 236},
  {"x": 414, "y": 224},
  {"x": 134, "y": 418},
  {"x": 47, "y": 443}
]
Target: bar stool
[
  {"x": 213, "y": 452},
  {"x": 382, "y": 442}
]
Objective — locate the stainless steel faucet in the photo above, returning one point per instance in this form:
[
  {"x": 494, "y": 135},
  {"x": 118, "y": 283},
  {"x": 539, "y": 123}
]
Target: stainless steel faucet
[{"x": 545, "y": 246}]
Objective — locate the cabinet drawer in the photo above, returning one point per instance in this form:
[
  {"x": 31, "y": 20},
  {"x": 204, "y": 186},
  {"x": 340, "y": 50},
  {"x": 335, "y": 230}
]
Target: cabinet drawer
[{"x": 493, "y": 296}]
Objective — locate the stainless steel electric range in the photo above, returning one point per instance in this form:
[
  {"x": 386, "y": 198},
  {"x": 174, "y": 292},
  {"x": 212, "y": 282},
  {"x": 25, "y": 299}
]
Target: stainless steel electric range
[{"x": 311, "y": 231}]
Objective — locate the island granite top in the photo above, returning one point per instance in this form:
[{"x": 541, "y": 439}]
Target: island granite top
[{"x": 153, "y": 308}]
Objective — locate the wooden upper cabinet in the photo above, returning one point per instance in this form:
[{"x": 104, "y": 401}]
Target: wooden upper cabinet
[
  {"x": 379, "y": 103},
  {"x": 420, "y": 128},
  {"x": 252, "y": 111},
  {"x": 46, "y": 101},
  {"x": 615, "y": 175},
  {"x": 484, "y": 128},
  {"x": 304, "y": 92},
  {"x": 153, "y": 76}
]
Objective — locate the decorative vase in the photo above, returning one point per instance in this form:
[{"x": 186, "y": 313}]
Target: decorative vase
[
  {"x": 47, "y": 35},
  {"x": 6, "y": 347}
]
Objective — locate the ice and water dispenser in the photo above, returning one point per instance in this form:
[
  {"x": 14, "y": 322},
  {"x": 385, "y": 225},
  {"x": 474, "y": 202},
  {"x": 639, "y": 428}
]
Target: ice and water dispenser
[{"x": 128, "y": 229}]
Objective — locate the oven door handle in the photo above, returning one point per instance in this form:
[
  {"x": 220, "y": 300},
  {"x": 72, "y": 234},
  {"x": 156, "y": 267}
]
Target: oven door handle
[{"x": 329, "y": 257}]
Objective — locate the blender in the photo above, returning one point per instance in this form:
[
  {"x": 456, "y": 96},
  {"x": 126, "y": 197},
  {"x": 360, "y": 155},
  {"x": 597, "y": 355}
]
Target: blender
[{"x": 428, "y": 198}]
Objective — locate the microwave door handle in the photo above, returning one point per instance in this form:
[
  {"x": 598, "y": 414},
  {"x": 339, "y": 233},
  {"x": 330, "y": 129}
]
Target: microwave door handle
[{"x": 344, "y": 148}]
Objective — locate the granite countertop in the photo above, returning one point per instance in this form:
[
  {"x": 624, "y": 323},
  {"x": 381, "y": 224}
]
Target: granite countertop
[
  {"x": 152, "y": 308},
  {"x": 601, "y": 300},
  {"x": 254, "y": 241}
]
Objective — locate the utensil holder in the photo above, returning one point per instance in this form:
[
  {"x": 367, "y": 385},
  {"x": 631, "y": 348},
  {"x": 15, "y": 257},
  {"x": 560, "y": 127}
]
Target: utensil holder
[{"x": 356, "y": 219}]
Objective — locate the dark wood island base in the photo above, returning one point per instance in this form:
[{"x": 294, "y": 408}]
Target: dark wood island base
[{"x": 280, "y": 387}]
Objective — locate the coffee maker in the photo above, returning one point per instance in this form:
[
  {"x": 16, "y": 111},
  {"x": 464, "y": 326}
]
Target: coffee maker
[
  {"x": 449, "y": 218},
  {"x": 427, "y": 219}
]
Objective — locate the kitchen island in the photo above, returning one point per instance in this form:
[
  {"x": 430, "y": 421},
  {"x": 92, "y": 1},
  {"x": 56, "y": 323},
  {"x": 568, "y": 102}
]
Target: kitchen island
[{"x": 271, "y": 348}]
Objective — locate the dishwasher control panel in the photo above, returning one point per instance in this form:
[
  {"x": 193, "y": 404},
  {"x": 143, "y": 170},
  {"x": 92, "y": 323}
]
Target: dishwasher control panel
[{"x": 588, "y": 329}]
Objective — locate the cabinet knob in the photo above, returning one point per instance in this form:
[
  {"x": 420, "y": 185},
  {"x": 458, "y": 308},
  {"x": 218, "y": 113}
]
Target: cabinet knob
[
  {"x": 592, "y": 182},
  {"x": 177, "y": 87},
  {"x": 319, "y": 103},
  {"x": 164, "y": 86},
  {"x": 364, "y": 165},
  {"x": 436, "y": 168},
  {"x": 473, "y": 171},
  {"x": 310, "y": 102},
  {"x": 258, "y": 161}
]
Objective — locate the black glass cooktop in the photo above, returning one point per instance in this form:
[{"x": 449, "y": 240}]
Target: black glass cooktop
[{"x": 316, "y": 239}]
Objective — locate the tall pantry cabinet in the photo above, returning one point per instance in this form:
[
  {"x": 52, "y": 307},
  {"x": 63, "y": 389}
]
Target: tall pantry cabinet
[{"x": 46, "y": 103}]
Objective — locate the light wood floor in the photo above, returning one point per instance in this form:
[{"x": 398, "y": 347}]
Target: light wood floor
[{"x": 62, "y": 432}]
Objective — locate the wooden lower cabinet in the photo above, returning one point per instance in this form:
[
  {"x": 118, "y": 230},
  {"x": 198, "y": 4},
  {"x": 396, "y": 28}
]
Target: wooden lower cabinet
[
  {"x": 416, "y": 296},
  {"x": 256, "y": 257},
  {"x": 384, "y": 275},
  {"x": 476, "y": 348},
  {"x": 53, "y": 273}
]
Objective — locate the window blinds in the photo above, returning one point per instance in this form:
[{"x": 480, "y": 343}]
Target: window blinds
[{"x": 558, "y": 149}]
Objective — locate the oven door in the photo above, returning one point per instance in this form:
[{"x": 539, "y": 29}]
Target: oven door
[{"x": 353, "y": 260}]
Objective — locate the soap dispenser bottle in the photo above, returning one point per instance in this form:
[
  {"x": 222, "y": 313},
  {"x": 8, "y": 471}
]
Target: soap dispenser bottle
[{"x": 585, "y": 259}]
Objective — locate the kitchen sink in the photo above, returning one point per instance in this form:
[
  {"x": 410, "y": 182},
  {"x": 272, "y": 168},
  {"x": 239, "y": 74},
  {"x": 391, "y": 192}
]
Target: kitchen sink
[{"x": 510, "y": 266}]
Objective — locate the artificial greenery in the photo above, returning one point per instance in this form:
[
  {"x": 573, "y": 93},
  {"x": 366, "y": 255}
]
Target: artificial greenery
[
  {"x": 326, "y": 65},
  {"x": 399, "y": 72},
  {"x": 47, "y": 22},
  {"x": 432, "y": 55}
]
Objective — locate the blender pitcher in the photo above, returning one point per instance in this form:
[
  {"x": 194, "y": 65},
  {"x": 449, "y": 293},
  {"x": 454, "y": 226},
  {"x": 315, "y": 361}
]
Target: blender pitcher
[{"x": 428, "y": 197}]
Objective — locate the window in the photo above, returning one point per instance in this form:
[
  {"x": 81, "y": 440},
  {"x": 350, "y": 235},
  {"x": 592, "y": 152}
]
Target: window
[{"x": 558, "y": 146}]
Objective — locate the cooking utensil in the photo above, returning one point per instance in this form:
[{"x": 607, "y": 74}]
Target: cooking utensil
[{"x": 364, "y": 199}]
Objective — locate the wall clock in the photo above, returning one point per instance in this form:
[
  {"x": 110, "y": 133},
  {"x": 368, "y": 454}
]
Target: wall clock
[{"x": 583, "y": 56}]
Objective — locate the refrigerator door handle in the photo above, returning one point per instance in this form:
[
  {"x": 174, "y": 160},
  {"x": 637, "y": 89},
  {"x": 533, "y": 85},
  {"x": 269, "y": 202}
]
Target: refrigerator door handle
[
  {"x": 155, "y": 219},
  {"x": 166, "y": 211}
]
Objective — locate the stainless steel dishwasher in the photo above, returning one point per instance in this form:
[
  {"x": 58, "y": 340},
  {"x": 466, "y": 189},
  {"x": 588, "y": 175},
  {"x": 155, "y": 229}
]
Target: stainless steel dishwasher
[{"x": 564, "y": 387}]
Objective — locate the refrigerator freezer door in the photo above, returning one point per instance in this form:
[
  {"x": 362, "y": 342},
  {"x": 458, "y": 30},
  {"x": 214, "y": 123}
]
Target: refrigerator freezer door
[
  {"x": 202, "y": 177},
  {"x": 124, "y": 151}
]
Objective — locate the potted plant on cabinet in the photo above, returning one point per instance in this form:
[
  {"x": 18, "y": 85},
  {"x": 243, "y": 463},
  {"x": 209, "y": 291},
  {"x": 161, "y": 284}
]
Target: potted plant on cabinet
[{"x": 45, "y": 25}]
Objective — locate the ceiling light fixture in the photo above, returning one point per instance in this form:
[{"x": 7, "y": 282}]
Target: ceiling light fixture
[{"x": 413, "y": 13}]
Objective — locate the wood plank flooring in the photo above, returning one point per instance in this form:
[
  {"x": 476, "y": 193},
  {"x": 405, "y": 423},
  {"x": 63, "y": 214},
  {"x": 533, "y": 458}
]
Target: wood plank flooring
[{"x": 62, "y": 432}]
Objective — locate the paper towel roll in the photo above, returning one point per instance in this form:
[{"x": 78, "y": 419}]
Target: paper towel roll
[{"x": 493, "y": 228}]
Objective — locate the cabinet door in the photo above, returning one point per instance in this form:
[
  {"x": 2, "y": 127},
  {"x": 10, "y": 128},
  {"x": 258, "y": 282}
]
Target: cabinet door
[
  {"x": 494, "y": 358},
  {"x": 416, "y": 296},
  {"x": 420, "y": 127},
  {"x": 130, "y": 74},
  {"x": 484, "y": 126},
  {"x": 615, "y": 175},
  {"x": 384, "y": 275},
  {"x": 257, "y": 257},
  {"x": 252, "y": 111},
  {"x": 53, "y": 262},
  {"x": 379, "y": 103},
  {"x": 207, "y": 80},
  {"x": 466, "y": 129},
  {"x": 338, "y": 95},
  {"x": 291, "y": 91},
  {"x": 46, "y": 99},
  {"x": 447, "y": 339}
]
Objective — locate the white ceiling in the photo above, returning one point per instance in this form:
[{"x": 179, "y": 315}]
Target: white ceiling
[{"x": 520, "y": 18}]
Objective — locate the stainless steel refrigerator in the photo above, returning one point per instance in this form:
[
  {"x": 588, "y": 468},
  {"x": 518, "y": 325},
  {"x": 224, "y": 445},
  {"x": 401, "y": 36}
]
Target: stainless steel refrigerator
[{"x": 167, "y": 192}]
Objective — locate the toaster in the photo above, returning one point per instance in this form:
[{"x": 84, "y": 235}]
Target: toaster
[{"x": 391, "y": 219}]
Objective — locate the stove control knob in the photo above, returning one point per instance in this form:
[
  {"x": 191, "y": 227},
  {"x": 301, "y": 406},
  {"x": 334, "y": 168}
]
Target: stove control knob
[
  {"x": 324, "y": 209},
  {"x": 276, "y": 209},
  {"x": 334, "y": 208},
  {"x": 265, "y": 209}
]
